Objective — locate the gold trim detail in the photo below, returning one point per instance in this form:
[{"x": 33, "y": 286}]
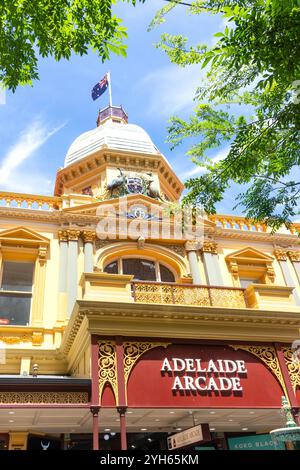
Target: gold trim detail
[
  {"x": 42, "y": 254},
  {"x": 62, "y": 235},
  {"x": 294, "y": 255},
  {"x": 88, "y": 236},
  {"x": 293, "y": 367},
  {"x": 16, "y": 339},
  {"x": 73, "y": 235},
  {"x": 43, "y": 397},
  {"x": 280, "y": 255},
  {"x": 107, "y": 367},
  {"x": 210, "y": 247},
  {"x": 133, "y": 351},
  {"x": 267, "y": 355}
]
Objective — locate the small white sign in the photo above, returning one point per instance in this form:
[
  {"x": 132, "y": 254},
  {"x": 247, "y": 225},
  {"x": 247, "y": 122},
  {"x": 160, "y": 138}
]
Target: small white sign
[{"x": 185, "y": 438}]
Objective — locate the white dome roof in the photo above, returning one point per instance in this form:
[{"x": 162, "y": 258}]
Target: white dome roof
[{"x": 112, "y": 135}]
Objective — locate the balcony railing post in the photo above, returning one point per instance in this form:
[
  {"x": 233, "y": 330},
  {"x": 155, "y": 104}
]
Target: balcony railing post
[
  {"x": 172, "y": 293},
  {"x": 133, "y": 291},
  {"x": 210, "y": 297}
]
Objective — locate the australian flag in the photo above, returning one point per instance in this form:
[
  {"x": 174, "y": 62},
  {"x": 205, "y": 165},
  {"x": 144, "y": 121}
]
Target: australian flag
[{"x": 100, "y": 88}]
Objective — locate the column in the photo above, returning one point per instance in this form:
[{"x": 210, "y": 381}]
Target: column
[
  {"x": 95, "y": 399},
  {"x": 294, "y": 256},
  {"x": 88, "y": 237},
  {"x": 95, "y": 414},
  {"x": 73, "y": 236},
  {"x": 211, "y": 263},
  {"x": 62, "y": 275},
  {"x": 281, "y": 256},
  {"x": 122, "y": 402},
  {"x": 122, "y": 412},
  {"x": 39, "y": 283},
  {"x": 191, "y": 248}
]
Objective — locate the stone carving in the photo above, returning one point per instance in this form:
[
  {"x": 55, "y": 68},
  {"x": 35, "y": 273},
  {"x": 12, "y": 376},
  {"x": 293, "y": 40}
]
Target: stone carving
[
  {"x": 102, "y": 243},
  {"x": 116, "y": 183},
  {"x": 294, "y": 255},
  {"x": 280, "y": 255},
  {"x": 210, "y": 246},
  {"x": 88, "y": 236},
  {"x": 153, "y": 188},
  {"x": 179, "y": 249},
  {"x": 133, "y": 183}
]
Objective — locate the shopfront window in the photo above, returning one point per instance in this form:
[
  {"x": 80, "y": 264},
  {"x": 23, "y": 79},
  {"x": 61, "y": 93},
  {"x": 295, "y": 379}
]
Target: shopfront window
[
  {"x": 16, "y": 292},
  {"x": 142, "y": 269}
]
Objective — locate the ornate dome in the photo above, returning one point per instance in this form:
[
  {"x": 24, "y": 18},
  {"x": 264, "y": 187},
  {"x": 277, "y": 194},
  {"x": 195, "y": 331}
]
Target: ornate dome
[{"x": 112, "y": 135}]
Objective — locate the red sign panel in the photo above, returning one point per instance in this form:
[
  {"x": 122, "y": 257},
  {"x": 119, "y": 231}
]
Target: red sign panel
[{"x": 202, "y": 376}]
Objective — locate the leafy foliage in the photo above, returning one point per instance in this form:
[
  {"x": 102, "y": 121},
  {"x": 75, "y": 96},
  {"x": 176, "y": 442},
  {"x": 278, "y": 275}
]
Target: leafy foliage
[
  {"x": 57, "y": 28},
  {"x": 255, "y": 61}
]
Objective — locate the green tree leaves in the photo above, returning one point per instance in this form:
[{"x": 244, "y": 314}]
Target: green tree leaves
[
  {"x": 255, "y": 61},
  {"x": 57, "y": 28}
]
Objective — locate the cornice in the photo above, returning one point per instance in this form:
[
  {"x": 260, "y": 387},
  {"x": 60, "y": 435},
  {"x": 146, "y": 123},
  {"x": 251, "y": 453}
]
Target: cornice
[
  {"x": 131, "y": 161},
  {"x": 61, "y": 217},
  {"x": 288, "y": 239},
  {"x": 241, "y": 324}
]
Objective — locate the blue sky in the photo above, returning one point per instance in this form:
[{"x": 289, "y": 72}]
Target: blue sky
[{"x": 39, "y": 123}]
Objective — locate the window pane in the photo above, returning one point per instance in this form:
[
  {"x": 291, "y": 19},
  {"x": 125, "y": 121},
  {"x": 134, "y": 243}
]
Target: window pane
[
  {"x": 112, "y": 268},
  {"x": 143, "y": 270},
  {"x": 15, "y": 308},
  {"x": 165, "y": 274},
  {"x": 17, "y": 276}
]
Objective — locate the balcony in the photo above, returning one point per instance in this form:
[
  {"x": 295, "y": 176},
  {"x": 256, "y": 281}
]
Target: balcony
[
  {"x": 193, "y": 295},
  {"x": 99, "y": 286}
]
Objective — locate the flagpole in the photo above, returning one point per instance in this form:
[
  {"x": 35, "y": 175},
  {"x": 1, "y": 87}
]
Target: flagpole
[{"x": 109, "y": 89}]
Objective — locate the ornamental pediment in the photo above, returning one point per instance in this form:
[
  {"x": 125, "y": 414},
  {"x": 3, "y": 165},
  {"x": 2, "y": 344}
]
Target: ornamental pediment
[
  {"x": 22, "y": 235},
  {"x": 248, "y": 254},
  {"x": 130, "y": 207}
]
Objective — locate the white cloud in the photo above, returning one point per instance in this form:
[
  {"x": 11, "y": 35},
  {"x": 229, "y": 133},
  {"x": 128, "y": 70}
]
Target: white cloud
[
  {"x": 170, "y": 89},
  {"x": 21, "y": 181},
  {"x": 196, "y": 170},
  {"x": 30, "y": 140}
]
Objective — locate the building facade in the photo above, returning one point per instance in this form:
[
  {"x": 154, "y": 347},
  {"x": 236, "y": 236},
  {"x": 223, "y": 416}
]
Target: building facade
[{"x": 118, "y": 330}]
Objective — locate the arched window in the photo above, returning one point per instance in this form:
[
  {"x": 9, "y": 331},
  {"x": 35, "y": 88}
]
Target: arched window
[{"x": 142, "y": 269}]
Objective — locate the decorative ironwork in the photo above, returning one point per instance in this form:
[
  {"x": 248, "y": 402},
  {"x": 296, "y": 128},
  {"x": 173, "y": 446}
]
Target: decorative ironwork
[
  {"x": 267, "y": 355},
  {"x": 43, "y": 397},
  {"x": 227, "y": 298},
  {"x": 201, "y": 296},
  {"x": 107, "y": 367},
  {"x": 293, "y": 367},
  {"x": 133, "y": 351}
]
